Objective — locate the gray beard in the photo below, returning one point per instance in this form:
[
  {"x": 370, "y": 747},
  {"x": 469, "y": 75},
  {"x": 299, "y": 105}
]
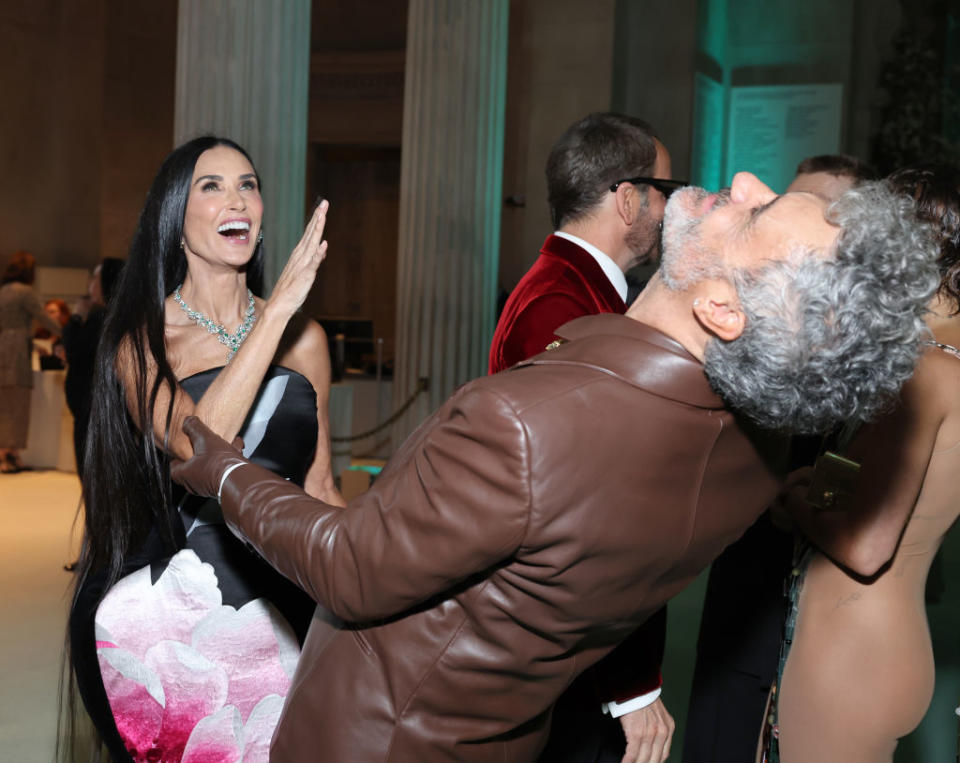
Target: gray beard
[{"x": 684, "y": 258}]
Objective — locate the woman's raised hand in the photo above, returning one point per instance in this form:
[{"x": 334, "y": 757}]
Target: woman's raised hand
[{"x": 298, "y": 274}]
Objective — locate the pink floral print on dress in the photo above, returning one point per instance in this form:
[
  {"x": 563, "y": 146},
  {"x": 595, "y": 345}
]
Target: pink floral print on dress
[{"x": 187, "y": 678}]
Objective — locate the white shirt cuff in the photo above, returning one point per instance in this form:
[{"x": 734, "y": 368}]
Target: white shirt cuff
[
  {"x": 616, "y": 709},
  {"x": 226, "y": 473}
]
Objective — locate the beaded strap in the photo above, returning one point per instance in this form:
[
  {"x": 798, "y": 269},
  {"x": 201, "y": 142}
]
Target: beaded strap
[{"x": 948, "y": 348}]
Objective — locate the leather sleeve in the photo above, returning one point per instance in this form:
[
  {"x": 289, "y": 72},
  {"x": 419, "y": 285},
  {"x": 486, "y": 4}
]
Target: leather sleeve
[
  {"x": 633, "y": 668},
  {"x": 533, "y": 329},
  {"x": 454, "y": 502}
]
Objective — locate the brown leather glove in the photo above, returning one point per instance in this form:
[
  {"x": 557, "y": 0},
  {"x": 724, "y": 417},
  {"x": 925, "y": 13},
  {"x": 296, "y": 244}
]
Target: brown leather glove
[{"x": 212, "y": 455}]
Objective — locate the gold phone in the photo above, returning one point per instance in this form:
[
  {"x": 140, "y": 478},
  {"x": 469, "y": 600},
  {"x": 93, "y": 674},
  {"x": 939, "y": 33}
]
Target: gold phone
[{"x": 834, "y": 482}]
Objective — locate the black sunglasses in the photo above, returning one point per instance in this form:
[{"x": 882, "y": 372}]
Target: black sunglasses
[{"x": 666, "y": 187}]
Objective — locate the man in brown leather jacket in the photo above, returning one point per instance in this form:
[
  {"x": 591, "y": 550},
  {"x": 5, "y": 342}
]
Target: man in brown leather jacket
[
  {"x": 604, "y": 225},
  {"x": 540, "y": 515}
]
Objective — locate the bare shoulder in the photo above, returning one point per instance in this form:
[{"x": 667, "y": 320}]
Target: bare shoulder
[
  {"x": 939, "y": 369},
  {"x": 127, "y": 366},
  {"x": 931, "y": 398},
  {"x": 304, "y": 349},
  {"x": 304, "y": 336},
  {"x": 124, "y": 359}
]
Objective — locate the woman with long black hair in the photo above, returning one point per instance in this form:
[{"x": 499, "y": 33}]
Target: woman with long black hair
[{"x": 182, "y": 640}]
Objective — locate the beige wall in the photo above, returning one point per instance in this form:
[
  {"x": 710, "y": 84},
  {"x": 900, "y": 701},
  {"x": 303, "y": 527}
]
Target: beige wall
[
  {"x": 88, "y": 115},
  {"x": 653, "y": 70},
  {"x": 568, "y": 58},
  {"x": 137, "y": 118},
  {"x": 88, "y": 106},
  {"x": 560, "y": 61},
  {"x": 50, "y": 156}
]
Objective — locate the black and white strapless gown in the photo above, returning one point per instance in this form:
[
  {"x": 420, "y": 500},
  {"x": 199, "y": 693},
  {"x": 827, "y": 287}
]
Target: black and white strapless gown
[{"x": 194, "y": 652}]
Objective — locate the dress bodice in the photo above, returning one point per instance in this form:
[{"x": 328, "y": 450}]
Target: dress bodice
[
  {"x": 194, "y": 648},
  {"x": 280, "y": 432}
]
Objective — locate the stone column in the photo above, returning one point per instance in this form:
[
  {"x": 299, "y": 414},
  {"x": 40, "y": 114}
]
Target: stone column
[
  {"x": 243, "y": 69},
  {"x": 560, "y": 59},
  {"x": 450, "y": 197}
]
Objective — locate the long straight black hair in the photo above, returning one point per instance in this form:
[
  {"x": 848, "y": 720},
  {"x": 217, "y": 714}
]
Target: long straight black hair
[
  {"x": 126, "y": 480},
  {"x": 126, "y": 485}
]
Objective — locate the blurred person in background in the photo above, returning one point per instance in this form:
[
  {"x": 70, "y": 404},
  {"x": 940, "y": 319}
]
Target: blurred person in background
[
  {"x": 19, "y": 308},
  {"x": 58, "y": 309},
  {"x": 49, "y": 347},
  {"x": 829, "y": 175},
  {"x": 81, "y": 336}
]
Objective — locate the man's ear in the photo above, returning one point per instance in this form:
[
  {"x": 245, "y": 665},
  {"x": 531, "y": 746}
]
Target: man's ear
[
  {"x": 629, "y": 202},
  {"x": 718, "y": 310}
]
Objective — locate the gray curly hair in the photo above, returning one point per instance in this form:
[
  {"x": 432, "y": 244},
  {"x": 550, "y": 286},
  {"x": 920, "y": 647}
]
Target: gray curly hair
[{"x": 832, "y": 339}]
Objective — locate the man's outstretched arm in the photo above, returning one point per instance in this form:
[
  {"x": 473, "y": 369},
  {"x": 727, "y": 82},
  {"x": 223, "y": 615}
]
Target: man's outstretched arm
[{"x": 454, "y": 504}]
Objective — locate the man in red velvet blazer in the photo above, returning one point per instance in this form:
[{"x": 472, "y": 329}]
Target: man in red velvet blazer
[
  {"x": 607, "y": 219},
  {"x": 565, "y": 282},
  {"x": 604, "y": 226}
]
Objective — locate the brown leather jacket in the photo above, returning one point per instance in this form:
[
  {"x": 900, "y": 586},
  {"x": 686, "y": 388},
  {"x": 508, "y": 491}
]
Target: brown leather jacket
[{"x": 535, "y": 520}]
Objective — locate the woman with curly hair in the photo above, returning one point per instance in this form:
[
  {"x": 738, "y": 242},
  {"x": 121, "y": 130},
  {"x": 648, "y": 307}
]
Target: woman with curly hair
[{"x": 859, "y": 674}]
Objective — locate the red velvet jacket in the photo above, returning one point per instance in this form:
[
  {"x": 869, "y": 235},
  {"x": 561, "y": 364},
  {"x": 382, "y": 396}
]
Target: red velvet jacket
[{"x": 564, "y": 283}]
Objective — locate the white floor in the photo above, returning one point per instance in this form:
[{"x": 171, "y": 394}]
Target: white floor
[{"x": 37, "y": 511}]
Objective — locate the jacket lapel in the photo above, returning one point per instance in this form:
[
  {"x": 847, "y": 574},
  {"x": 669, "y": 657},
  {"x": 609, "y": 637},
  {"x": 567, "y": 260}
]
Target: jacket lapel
[
  {"x": 587, "y": 270},
  {"x": 636, "y": 353}
]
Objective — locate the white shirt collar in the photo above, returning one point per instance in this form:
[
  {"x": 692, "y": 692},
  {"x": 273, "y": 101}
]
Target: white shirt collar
[{"x": 607, "y": 265}]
